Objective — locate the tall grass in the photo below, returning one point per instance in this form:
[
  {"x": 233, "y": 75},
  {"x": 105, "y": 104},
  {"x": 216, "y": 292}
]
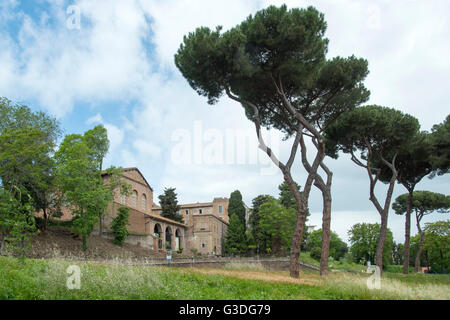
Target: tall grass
[{"x": 46, "y": 279}]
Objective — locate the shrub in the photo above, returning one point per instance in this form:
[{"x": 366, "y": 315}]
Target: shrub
[
  {"x": 119, "y": 226},
  {"x": 315, "y": 253}
]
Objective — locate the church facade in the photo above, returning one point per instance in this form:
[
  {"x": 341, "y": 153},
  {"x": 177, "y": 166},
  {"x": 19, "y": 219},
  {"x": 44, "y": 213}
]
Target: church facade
[{"x": 204, "y": 226}]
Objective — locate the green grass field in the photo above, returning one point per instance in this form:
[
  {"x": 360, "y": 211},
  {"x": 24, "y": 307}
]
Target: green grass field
[{"x": 46, "y": 279}]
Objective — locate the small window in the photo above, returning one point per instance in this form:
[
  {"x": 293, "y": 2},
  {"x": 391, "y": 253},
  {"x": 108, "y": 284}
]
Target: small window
[
  {"x": 187, "y": 212},
  {"x": 203, "y": 245},
  {"x": 220, "y": 209},
  {"x": 134, "y": 199},
  {"x": 123, "y": 199},
  {"x": 200, "y": 211}
]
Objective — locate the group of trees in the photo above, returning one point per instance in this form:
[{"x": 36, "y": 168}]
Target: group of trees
[
  {"x": 269, "y": 227},
  {"x": 38, "y": 177},
  {"x": 274, "y": 64},
  {"x": 422, "y": 203},
  {"x": 432, "y": 252}
]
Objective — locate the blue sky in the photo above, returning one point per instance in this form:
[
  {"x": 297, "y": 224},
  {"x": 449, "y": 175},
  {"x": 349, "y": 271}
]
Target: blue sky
[{"x": 116, "y": 68}]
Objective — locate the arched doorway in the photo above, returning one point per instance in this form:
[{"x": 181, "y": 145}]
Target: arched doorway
[
  {"x": 168, "y": 238},
  {"x": 158, "y": 236},
  {"x": 178, "y": 239}
]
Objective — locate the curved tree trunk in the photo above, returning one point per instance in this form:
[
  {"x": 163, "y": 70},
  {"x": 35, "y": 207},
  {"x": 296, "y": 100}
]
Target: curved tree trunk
[
  {"x": 326, "y": 213},
  {"x": 296, "y": 241},
  {"x": 419, "y": 252},
  {"x": 407, "y": 234},
  {"x": 381, "y": 241},
  {"x": 326, "y": 225}
]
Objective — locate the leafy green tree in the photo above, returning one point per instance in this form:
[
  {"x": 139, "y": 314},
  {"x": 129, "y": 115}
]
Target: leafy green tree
[
  {"x": 437, "y": 245},
  {"x": 423, "y": 203},
  {"x": 79, "y": 178},
  {"x": 440, "y": 138},
  {"x": 286, "y": 198},
  {"x": 398, "y": 253},
  {"x": 338, "y": 248},
  {"x": 27, "y": 142},
  {"x": 363, "y": 243},
  {"x": 277, "y": 222},
  {"x": 96, "y": 139},
  {"x": 235, "y": 242},
  {"x": 274, "y": 64},
  {"x": 169, "y": 205},
  {"x": 119, "y": 226},
  {"x": 260, "y": 239},
  {"x": 17, "y": 222},
  {"x": 379, "y": 134}
]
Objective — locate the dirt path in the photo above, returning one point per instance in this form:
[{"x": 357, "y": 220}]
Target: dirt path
[{"x": 280, "y": 276}]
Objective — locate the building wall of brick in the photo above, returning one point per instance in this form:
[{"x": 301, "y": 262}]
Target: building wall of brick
[
  {"x": 207, "y": 234},
  {"x": 223, "y": 202},
  {"x": 138, "y": 185}
]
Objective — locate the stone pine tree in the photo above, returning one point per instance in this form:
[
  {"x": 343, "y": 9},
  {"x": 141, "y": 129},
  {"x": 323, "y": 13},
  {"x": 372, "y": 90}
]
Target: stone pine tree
[
  {"x": 422, "y": 203},
  {"x": 440, "y": 139},
  {"x": 413, "y": 164},
  {"x": 274, "y": 64},
  {"x": 236, "y": 206},
  {"x": 379, "y": 134},
  {"x": 169, "y": 205}
]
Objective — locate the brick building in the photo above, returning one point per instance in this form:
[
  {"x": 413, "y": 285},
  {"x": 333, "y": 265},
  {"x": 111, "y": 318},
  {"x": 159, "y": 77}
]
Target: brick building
[
  {"x": 204, "y": 226},
  {"x": 207, "y": 224}
]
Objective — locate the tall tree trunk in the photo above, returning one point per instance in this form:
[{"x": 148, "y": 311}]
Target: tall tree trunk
[
  {"x": 326, "y": 225},
  {"x": 381, "y": 241},
  {"x": 419, "y": 252},
  {"x": 326, "y": 212},
  {"x": 302, "y": 210},
  {"x": 407, "y": 233},
  {"x": 3, "y": 242}
]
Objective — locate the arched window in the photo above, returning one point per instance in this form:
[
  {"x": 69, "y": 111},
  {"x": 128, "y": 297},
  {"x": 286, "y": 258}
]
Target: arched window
[
  {"x": 123, "y": 199},
  {"x": 134, "y": 199},
  {"x": 144, "y": 202}
]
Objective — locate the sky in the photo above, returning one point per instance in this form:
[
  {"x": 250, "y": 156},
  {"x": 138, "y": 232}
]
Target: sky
[{"x": 112, "y": 63}]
